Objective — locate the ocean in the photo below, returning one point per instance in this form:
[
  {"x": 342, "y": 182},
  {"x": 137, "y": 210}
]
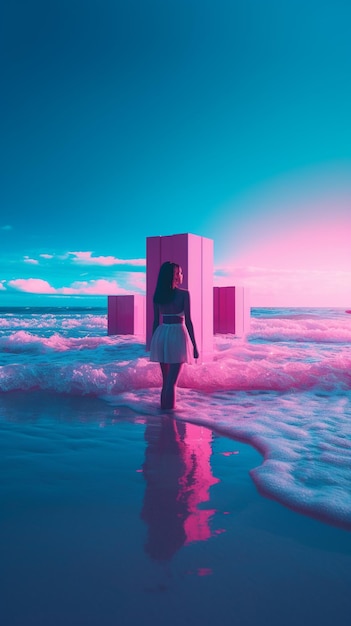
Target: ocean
[
  {"x": 235, "y": 508},
  {"x": 285, "y": 389}
]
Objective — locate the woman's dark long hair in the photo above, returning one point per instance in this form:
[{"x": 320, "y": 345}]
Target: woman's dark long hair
[{"x": 164, "y": 292}]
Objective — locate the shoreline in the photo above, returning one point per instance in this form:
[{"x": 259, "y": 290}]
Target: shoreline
[{"x": 110, "y": 518}]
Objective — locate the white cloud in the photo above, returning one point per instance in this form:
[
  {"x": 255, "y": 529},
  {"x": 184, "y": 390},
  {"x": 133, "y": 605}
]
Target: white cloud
[
  {"x": 99, "y": 287},
  {"x": 87, "y": 258},
  {"x": 27, "y": 259},
  {"x": 84, "y": 259},
  {"x": 93, "y": 287}
]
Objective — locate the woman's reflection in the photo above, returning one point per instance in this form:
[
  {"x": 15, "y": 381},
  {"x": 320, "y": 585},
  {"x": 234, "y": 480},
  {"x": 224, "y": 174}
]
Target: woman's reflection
[{"x": 178, "y": 477}]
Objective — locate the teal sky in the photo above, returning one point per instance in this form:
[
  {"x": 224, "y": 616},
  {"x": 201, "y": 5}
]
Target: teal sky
[{"x": 122, "y": 120}]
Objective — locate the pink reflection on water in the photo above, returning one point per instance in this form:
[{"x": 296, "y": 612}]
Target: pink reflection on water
[
  {"x": 230, "y": 453},
  {"x": 200, "y": 571},
  {"x": 198, "y": 479},
  {"x": 204, "y": 571},
  {"x": 178, "y": 477}
]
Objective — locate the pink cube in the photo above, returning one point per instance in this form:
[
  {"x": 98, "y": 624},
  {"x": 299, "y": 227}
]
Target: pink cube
[
  {"x": 126, "y": 315},
  {"x": 231, "y": 310},
  {"x": 195, "y": 255}
]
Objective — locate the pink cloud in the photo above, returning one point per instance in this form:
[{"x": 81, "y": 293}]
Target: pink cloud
[
  {"x": 137, "y": 280},
  {"x": 2, "y": 287},
  {"x": 32, "y": 285},
  {"x": 93, "y": 287},
  {"x": 46, "y": 256}
]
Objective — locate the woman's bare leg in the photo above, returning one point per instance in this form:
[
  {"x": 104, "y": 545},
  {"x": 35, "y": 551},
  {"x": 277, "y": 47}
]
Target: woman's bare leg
[
  {"x": 171, "y": 381},
  {"x": 164, "y": 370}
]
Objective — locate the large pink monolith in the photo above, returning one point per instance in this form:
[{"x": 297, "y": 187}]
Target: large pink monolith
[
  {"x": 195, "y": 255},
  {"x": 126, "y": 315},
  {"x": 231, "y": 310}
]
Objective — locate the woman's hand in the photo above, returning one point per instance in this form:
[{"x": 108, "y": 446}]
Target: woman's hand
[{"x": 196, "y": 353}]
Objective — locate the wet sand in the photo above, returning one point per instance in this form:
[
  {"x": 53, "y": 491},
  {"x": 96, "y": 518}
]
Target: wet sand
[{"x": 123, "y": 520}]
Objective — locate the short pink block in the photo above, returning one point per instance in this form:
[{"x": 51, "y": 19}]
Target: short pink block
[
  {"x": 195, "y": 255},
  {"x": 126, "y": 315},
  {"x": 231, "y": 310}
]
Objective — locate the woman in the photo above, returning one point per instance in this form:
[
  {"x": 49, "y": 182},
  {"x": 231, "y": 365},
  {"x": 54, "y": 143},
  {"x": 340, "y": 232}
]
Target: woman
[{"x": 171, "y": 341}]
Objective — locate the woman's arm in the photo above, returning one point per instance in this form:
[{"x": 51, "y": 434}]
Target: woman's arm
[
  {"x": 188, "y": 322},
  {"x": 156, "y": 317}
]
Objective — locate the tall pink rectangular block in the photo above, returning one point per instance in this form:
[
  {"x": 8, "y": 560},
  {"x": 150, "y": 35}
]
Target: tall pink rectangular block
[
  {"x": 195, "y": 255},
  {"x": 231, "y": 310},
  {"x": 126, "y": 315}
]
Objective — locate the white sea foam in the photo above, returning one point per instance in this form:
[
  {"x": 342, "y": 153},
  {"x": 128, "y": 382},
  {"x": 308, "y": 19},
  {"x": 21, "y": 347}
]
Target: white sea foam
[
  {"x": 304, "y": 437},
  {"x": 286, "y": 389}
]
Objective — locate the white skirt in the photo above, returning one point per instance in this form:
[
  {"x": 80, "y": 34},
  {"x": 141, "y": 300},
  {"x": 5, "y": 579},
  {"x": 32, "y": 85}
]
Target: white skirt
[{"x": 171, "y": 343}]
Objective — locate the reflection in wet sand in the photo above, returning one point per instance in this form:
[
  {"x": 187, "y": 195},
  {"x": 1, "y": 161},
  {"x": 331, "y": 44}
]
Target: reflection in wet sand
[{"x": 178, "y": 477}]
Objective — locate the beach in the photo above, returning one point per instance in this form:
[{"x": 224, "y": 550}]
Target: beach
[{"x": 234, "y": 509}]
